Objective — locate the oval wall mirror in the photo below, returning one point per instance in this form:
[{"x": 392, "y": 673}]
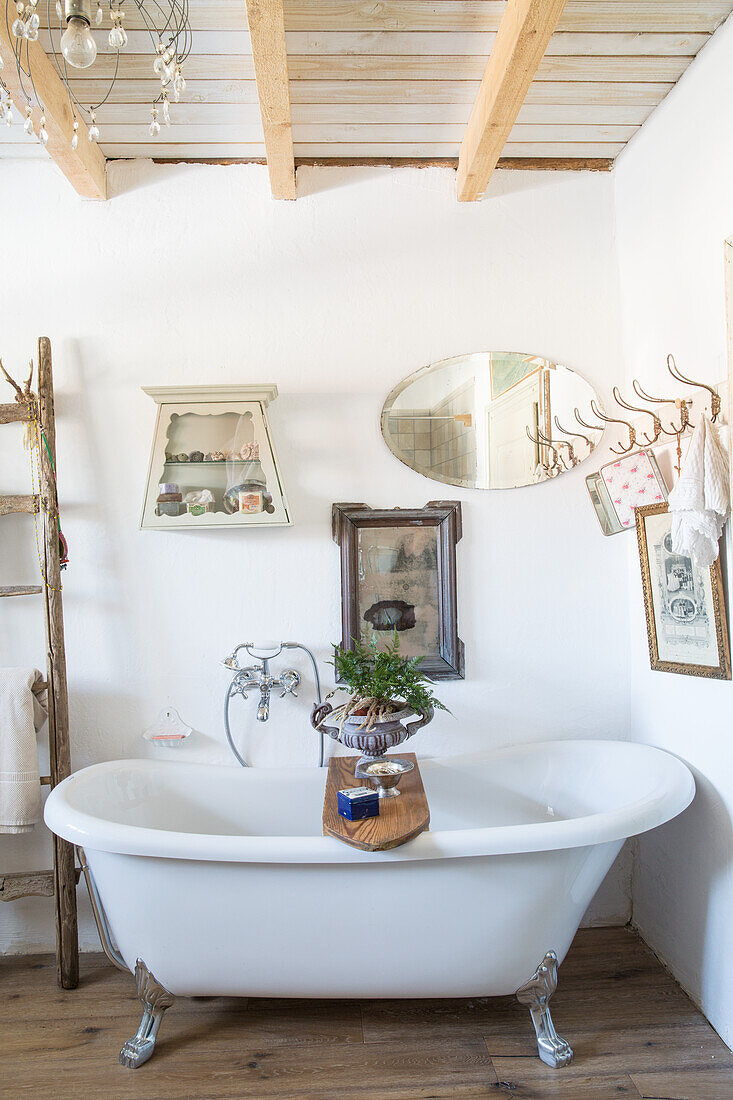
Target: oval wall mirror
[{"x": 492, "y": 420}]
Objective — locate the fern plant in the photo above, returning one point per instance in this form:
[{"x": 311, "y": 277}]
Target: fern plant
[{"x": 381, "y": 682}]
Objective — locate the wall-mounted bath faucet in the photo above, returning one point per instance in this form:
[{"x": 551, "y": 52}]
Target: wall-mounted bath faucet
[{"x": 258, "y": 677}]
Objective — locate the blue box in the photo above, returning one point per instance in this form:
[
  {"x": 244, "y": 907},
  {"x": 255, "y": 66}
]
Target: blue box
[{"x": 355, "y": 803}]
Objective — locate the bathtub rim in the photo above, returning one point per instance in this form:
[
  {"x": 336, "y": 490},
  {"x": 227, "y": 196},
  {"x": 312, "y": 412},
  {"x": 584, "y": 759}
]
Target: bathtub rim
[{"x": 658, "y": 806}]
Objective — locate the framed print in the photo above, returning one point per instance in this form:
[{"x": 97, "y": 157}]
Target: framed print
[
  {"x": 398, "y": 572},
  {"x": 684, "y": 604}
]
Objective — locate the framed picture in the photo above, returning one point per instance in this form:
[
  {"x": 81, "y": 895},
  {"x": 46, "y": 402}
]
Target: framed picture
[
  {"x": 685, "y": 606},
  {"x": 398, "y": 572}
]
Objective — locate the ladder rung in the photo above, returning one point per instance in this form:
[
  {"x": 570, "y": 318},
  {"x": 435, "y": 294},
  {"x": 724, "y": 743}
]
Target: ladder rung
[
  {"x": 20, "y": 590},
  {"x": 14, "y": 413},
  {"x": 38, "y": 883},
  {"x": 45, "y": 780},
  {"x": 29, "y": 883},
  {"x": 19, "y": 504}
]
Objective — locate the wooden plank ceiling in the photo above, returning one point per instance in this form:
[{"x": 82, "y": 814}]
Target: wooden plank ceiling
[{"x": 397, "y": 80}]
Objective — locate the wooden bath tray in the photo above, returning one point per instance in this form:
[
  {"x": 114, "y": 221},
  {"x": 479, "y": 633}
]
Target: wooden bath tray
[{"x": 400, "y": 819}]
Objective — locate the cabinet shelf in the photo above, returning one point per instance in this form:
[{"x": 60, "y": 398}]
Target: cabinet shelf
[{"x": 216, "y": 463}]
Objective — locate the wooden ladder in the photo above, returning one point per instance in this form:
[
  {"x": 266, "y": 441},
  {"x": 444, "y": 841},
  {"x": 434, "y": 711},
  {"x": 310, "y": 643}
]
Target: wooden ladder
[{"x": 61, "y": 881}]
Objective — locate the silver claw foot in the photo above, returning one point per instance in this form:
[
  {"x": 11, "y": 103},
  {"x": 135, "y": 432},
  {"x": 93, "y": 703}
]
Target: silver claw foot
[
  {"x": 536, "y": 993},
  {"x": 156, "y": 999}
]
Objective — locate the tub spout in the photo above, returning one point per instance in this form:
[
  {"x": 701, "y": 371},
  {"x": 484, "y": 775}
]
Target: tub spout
[
  {"x": 536, "y": 994},
  {"x": 263, "y": 710}
]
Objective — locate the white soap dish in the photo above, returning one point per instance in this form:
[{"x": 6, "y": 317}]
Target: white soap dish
[{"x": 169, "y": 729}]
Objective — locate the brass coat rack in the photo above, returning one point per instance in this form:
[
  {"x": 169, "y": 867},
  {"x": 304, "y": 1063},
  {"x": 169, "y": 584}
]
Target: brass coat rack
[{"x": 676, "y": 430}]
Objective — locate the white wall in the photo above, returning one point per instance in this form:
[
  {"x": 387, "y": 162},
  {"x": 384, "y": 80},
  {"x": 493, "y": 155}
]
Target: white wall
[
  {"x": 192, "y": 275},
  {"x": 674, "y": 210}
]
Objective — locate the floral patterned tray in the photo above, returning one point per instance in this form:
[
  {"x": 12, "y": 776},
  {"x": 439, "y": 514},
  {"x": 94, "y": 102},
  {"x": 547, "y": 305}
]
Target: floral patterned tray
[{"x": 620, "y": 487}]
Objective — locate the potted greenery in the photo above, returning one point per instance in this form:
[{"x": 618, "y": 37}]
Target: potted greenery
[{"x": 385, "y": 688}]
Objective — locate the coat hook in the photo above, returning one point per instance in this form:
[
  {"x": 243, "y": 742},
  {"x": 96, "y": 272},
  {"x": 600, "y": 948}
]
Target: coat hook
[
  {"x": 550, "y": 467},
  {"x": 614, "y": 420},
  {"x": 678, "y": 402},
  {"x": 556, "y": 443},
  {"x": 590, "y": 427},
  {"x": 647, "y": 412},
  {"x": 715, "y": 402},
  {"x": 575, "y": 435}
]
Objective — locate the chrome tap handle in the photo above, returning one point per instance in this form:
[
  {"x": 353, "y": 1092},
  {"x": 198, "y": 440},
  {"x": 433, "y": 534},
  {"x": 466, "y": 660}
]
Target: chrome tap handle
[
  {"x": 289, "y": 681},
  {"x": 245, "y": 678}
]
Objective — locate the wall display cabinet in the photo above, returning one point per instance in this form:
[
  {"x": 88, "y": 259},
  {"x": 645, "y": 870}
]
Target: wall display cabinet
[{"x": 213, "y": 462}]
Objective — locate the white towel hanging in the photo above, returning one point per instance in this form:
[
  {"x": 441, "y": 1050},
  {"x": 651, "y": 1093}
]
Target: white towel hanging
[
  {"x": 21, "y": 715},
  {"x": 700, "y": 501}
]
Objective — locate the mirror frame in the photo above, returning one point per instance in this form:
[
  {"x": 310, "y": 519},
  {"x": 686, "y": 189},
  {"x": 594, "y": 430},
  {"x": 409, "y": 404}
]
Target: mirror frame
[
  {"x": 445, "y": 515},
  {"x": 404, "y": 383}
]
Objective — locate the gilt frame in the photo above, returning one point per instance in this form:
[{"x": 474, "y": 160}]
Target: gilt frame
[{"x": 721, "y": 671}]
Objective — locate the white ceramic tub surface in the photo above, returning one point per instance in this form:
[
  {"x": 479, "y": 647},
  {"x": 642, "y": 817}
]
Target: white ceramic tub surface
[{"x": 220, "y": 879}]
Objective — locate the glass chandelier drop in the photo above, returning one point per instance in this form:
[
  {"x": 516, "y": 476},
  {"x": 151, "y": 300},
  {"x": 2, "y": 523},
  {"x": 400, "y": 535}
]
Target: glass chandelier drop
[{"x": 73, "y": 46}]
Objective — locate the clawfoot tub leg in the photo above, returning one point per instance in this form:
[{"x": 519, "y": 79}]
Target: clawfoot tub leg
[
  {"x": 155, "y": 1000},
  {"x": 536, "y": 994}
]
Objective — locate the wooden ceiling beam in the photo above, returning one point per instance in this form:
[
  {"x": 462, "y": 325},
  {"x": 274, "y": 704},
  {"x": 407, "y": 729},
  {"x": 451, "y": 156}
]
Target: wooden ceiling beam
[
  {"x": 85, "y": 166},
  {"x": 521, "y": 41},
  {"x": 269, "y": 54}
]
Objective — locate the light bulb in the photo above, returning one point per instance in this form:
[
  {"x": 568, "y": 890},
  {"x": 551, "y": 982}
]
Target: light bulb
[{"x": 77, "y": 44}]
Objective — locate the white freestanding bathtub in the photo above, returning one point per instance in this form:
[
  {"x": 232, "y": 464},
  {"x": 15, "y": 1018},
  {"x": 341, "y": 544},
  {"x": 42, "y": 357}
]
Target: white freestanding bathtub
[{"x": 218, "y": 880}]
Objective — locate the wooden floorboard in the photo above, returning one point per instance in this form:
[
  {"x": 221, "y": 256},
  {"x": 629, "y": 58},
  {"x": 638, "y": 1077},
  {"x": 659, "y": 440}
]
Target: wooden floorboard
[
  {"x": 707, "y": 1083},
  {"x": 636, "y": 1035}
]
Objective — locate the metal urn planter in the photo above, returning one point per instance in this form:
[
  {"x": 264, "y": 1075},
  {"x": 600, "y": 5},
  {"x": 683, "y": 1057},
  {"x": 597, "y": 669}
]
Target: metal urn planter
[{"x": 383, "y": 736}]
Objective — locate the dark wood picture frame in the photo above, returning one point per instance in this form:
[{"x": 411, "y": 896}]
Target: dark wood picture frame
[
  {"x": 721, "y": 671},
  {"x": 445, "y": 515}
]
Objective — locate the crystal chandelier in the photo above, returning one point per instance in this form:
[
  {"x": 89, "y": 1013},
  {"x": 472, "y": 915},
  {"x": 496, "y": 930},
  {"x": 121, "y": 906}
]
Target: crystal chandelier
[{"x": 72, "y": 46}]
